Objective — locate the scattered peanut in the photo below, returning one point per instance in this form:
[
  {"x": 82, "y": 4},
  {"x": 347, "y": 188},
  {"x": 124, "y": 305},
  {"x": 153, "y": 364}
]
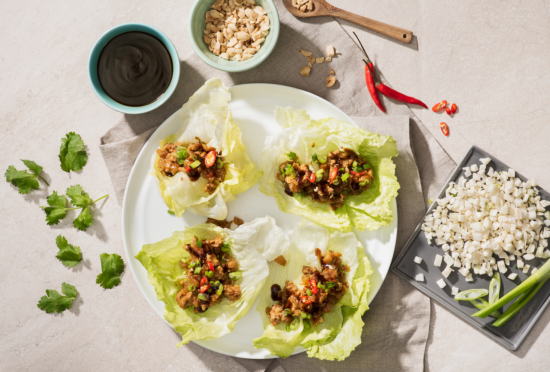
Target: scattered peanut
[
  {"x": 305, "y": 53},
  {"x": 332, "y": 71},
  {"x": 330, "y": 80},
  {"x": 305, "y": 71},
  {"x": 303, "y": 5},
  {"x": 235, "y": 29},
  {"x": 320, "y": 59},
  {"x": 330, "y": 51}
]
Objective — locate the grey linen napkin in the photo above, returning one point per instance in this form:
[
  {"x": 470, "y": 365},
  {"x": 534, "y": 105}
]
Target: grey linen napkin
[{"x": 397, "y": 324}]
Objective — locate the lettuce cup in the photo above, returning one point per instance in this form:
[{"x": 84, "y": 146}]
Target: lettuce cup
[
  {"x": 317, "y": 298},
  {"x": 329, "y": 171},
  {"x": 209, "y": 277},
  {"x": 205, "y": 164}
]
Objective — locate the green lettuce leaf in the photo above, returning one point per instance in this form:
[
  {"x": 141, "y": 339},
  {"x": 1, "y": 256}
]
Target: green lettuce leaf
[
  {"x": 340, "y": 332},
  {"x": 371, "y": 209},
  {"x": 161, "y": 260},
  {"x": 206, "y": 115}
]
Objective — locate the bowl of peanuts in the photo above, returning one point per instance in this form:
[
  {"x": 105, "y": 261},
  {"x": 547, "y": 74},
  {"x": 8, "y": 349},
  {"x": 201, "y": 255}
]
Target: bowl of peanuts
[{"x": 233, "y": 35}]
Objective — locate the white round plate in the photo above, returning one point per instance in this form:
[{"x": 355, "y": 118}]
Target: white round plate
[{"x": 145, "y": 219}]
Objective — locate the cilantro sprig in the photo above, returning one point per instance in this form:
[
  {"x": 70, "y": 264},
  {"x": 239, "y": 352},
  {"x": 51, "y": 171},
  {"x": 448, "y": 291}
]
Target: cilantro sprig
[
  {"x": 68, "y": 254},
  {"x": 53, "y": 301},
  {"x": 112, "y": 266},
  {"x": 71, "y": 154},
  {"x": 57, "y": 209},
  {"x": 24, "y": 180}
]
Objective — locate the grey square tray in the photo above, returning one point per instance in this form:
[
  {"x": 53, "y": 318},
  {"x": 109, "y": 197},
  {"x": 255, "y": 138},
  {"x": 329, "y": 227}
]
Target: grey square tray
[{"x": 511, "y": 334}]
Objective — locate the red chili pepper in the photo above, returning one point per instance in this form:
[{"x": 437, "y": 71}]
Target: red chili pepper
[
  {"x": 454, "y": 107},
  {"x": 391, "y": 93},
  {"x": 444, "y": 128},
  {"x": 210, "y": 266},
  {"x": 358, "y": 174},
  {"x": 371, "y": 85},
  {"x": 306, "y": 300},
  {"x": 439, "y": 106},
  {"x": 313, "y": 285},
  {"x": 188, "y": 169},
  {"x": 312, "y": 177},
  {"x": 448, "y": 111},
  {"x": 210, "y": 158},
  {"x": 333, "y": 174},
  {"x": 204, "y": 285}
]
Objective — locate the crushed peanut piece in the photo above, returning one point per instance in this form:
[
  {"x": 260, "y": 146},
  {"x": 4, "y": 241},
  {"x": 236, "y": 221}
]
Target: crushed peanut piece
[
  {"x": 235, "y": 29},
  {"x": 330, "y": 51},
  {"x": 330, "y": 80},
  {"x": 320, "y": 59},
  {"x": 332, "y": 71},
  {"x": 311, "y": 60},
  {"x": 328, "y": 59},
  {"x": 305, "y": 71},
  {"x": 305, "y": 53},
  {"x": 303, "y": 5}
]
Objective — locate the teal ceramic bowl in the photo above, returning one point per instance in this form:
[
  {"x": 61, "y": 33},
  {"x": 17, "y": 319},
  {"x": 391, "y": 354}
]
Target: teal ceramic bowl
[
  {"x": 197, "y": 24},
  {"x": 96, "y": 51}
]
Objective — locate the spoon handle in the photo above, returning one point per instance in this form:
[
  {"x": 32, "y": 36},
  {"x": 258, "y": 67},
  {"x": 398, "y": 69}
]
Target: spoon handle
[{"x": 396, "y": 33}]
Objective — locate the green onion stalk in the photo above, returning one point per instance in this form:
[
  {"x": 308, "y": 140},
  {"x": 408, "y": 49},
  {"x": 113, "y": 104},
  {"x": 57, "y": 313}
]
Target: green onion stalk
[{"x": 527, "y": 290}]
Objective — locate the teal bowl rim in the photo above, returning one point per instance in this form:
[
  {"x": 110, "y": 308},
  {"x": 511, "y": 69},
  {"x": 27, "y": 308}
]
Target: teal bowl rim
[
  {"x": 108, "y": 36},
  {"x": 274, "y": 32}
]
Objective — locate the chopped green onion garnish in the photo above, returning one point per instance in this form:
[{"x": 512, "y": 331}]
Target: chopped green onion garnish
[
  {"x": 209, "y": 274},
  {"x": 354, "y": 164},
  {"x": 235, "y": 275},
  {"x": 292, "y": 155},
  {"x": 225, "y": 248},
  {"x": 288, "y": 328},
  {"x": 494, "y": 288},
  {"x": 345, "y": 177},
  {"x": 180, "y": 161},
  {"x": 199, "y": 244},
  {"x": 366, "y": 166},
  {"x": 286, "y": 312},
  {"x": 314, "y": 157},
  {"x": 322, "y": 160},
  {"x": 172, "y": 213},
  {"x": 320, "y": 285},
  {"x": 193, "y": 264},
  {"x": 219, "y": 163},
  {"x": 329, "y": 285},
  {"x": 220, "y": 290},
  {"x": 471, "y": 294},
  {"x": 195, "y": 164},
  {"x": 295, "y": 323},
  {"x": 308, "y": 292},
  {"x": 197, "y": 270},
  {"x": 191, "y": 288},
  {"x": 304, "y": 315},
  {"x": 200, "y": 296}
]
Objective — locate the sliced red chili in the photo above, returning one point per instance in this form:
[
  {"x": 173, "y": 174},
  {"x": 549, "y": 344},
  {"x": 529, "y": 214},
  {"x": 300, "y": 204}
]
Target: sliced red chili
[
  {"x": 204, "y": 285},
  {"x": 312, "y": 178},
  {"x": 210, "y": 158},
  {"x": 210, "y": 266},
  {"x": 313, "y": 285},
  {"x": 444, "y": 128},
  {"x": 333, "y": 174},
  {"x": 454, "y": 107},
  {"x": 188, "y": 169},
  {"x": 358, "y": 174},
  {"x": 306, "y": 300},
  {"x": 448, "y": 111},
  {"x": 439, "y": 106}
]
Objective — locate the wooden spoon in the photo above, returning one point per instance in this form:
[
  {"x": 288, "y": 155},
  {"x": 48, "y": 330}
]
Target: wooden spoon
[{"x": 322, "y": 8}]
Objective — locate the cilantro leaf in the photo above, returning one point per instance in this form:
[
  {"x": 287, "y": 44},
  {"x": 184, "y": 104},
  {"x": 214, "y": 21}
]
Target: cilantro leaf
[
  {"x": 84, "y": 220},
  {"x": 57, "y": 210},
  {"x": 68, "y": 254},
  {"x": 71, "y": 154},
  {"x": 22, "y": 179},
  {"x": 33, "y": 166},
  {"x": 78, "y": 197},
  {"x": 292, "y": 155},
  {"x": 53, "y": 301},
  {"x": 112, "y": 266}
]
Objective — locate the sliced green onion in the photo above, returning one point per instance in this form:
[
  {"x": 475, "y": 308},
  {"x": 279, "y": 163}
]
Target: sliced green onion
[
  {"x": 471, "y": 294},
  {"x": 345, "y": 177},
  {"x": 170, "y": 212},
  {"x": 193, "y": 264},
  {"x": 220, "y": 290},
  {"x": 191, "y": 288},
  {"x": 200, "y": 296},
  {"x": 304, "y": 315},
  {"x": 309, "y": 293},
  {"x": 329, "y": 285},
  {"x": 354, "y": 164},
  {"x": 225, "y": 248},
  {"x": 366, "y": 166},
  {"x": 516, "y": 306},
  {"x": 307, "y": 326},
  {"x": 321, "y": 285},
  {"x": 288, "y": 328},
  {"x": 322, "y": 160},
  {"x": 319, "y": 175},
  {"x": 481, "y": 304},
  {"x": 292, "y": 155},
  {"x": 198, "y": 270},
  {"x": 199, "y": 243},
  {"x": 180, "y": 161},
  {"x": 494, "y": 288},
  {"x": 314, "y": 157},
  {"x": 195, "y": 164},
  {"x": 209, "y": 274},
  {"x": 295, "y": 323},
  {"x": 219, "y": 163},
  {"x": 235, "y": 275},
  {"x": 309, "y": 316},
  {"x": 286, "y": 312}
]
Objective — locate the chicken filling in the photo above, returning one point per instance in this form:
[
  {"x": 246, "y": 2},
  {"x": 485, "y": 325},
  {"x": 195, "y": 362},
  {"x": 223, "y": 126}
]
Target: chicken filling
[
  {"x": 321, "y": 291},
  {"x": 326, "y": 180},
  {"x": 210, "y": 275},
  {"x": 197, "y": 160}
]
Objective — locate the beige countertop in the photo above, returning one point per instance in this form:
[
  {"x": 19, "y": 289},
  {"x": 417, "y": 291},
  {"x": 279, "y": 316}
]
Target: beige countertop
[{"x": 492, "y": 60}]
